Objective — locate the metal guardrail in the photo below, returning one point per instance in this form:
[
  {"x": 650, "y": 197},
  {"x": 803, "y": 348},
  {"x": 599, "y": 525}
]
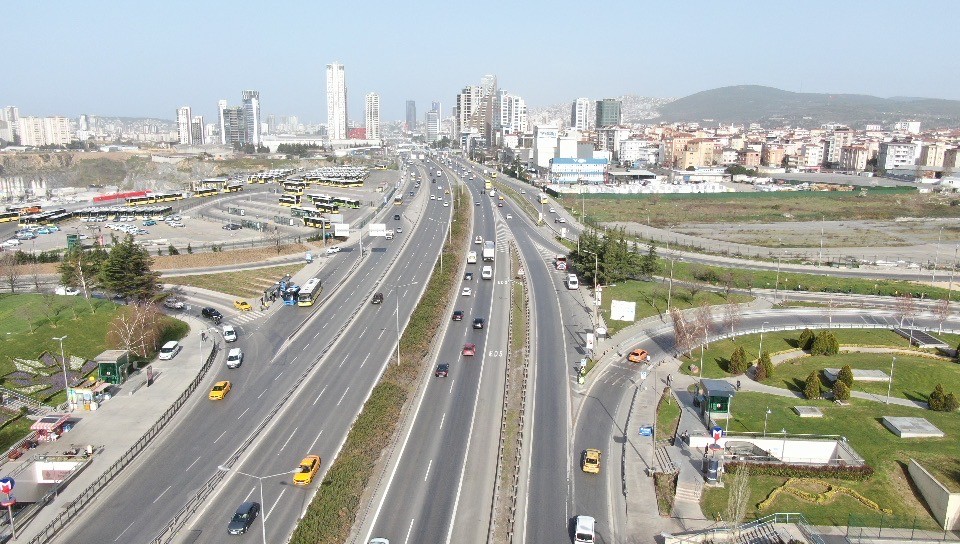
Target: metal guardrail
[{"x": 74, "y": 507}]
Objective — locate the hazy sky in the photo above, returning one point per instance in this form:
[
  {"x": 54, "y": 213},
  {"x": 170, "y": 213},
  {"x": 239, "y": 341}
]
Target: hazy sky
[{"x": 148, "y": 58}]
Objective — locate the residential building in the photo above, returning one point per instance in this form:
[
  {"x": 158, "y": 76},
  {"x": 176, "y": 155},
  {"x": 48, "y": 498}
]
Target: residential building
[
  {"x": 729, "y": 155},
  {"x": 513, "y": 113},
  {"x": 183, "y": 125},
  {"x": 41, "y": 131},
  {"x": 932, "y": 154},
  {"x": 698, "y": 152},
  {"x": 467, "y": 113},
  {"x": 609, "y": 138},
  {"x": 909, "y": 127},
  {"x": 573, "y": 171},
  {"x": 336, "y": 102},
  {"x": 411, "y": 116},
  {"x": 371, "y": 114},
  {"x": 9, "y": 123},
  {"x": 951, "y": 159},
  {"x": 608, "y": 112},
  {"x": 810, "y": 156},
  {"x": 232, "y": 127},
  {"x": 853, "y": 158},
  {"x": 895, "y": 155},
  {"x": 433, "y": 126},
  {"x": 834, "y": 143},
  {"x": 673, "y": 146},
  {"x": 545, "y": 140},
  {"x": 748, "y": 158},
  {"x": 196, "y": 130},
  {"x": 636, "y": 151},
  {"x": 579, "y": 114},
  {"x": 251, "y": 118},
  {"x": 772, "y": 155}
]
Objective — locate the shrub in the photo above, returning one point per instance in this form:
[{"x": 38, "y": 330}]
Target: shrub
[
  {"x": 766, "y": 364},
  {"x": 841, "y": 391},
  {"x": 811, "y": 388},
  {"x": 825, "y": 343},
  {"x": 760, "y": 373},
  {"x": 805, "y": 342},
  {"x": 173, "y": 250},
  {"x": 846, "y": 376},
  {"x": 950, "y": 403},
  {"x": 840, "y": 472},
  {"x": 738, "y": 361},
  {"x": 937, "y": 399}
]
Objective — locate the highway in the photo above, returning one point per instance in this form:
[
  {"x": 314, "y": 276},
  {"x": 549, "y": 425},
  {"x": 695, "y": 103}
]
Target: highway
[{"x": 315, "y": 419}]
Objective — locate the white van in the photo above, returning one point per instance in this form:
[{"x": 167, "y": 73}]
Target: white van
[
  {"x": 389, "y": 234},
  {"x": 169, "y": 350},
  {"x": 572, "y": 281},
  {"x": 472, "y": 257},
  {"x": 585, "y": 530},
  {"x": 486, "y": 272}
]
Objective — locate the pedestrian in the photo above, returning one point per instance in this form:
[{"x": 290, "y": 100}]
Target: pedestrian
[
  {"x": 738, "y": 385},
  {"x": 203, "y": 336}
]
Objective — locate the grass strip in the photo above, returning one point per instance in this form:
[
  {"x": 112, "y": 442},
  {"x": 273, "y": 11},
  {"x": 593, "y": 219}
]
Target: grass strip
[
  {"x": 241, "y": 283},
  {"x": 334, "y": 508}
]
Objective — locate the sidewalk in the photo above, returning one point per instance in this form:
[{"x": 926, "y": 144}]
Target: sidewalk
[{"x": 114, "y": 428}]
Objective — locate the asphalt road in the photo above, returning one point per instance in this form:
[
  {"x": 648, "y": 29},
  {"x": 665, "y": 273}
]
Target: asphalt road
[{"x": 315, "y": 419}]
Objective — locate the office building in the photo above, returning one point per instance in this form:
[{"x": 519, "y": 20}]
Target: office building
[
  {"x": 222, "y": 105},
  {"x": 251, "y": 118},
  {"x": 608, "y": 112},
  {"x": 41, "y": 131},
  {"x": 411, "y": 116},
  {"x": 232, "y": 127},
  {"x": 336, "y": 102},
  {"x": 196, "y": 130},
  {"x": 466, "y": 113},
  {"x": 184, "y": 130},
  {"x": 435, "y": 106},
  {"x": 371, "y": 115},
  {"x": 579, "y": 114},
  {"x": 433, "y": 126}
]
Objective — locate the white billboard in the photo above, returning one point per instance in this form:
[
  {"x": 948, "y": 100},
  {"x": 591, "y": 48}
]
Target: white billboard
[
  {"x": 623, "y": 310},
  {"x": 341, "y": 230},
  {"x": 378, "y": 229}
]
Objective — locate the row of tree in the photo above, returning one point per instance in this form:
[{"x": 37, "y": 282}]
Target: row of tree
[
  {"x": 611, "y": 258},
  {"x": 123, "y": 271}
]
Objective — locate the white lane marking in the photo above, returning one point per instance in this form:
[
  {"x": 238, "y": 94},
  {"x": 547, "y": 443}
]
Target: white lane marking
[
  {"x": 278, "y": 375},
  {"x": 288, "y": 440},
  {"x": 275, "y": 504},
  {"x": 219, "y": 437},
  {"x": 318, "y": 396},
  {"x": 193, "y": 463},
  {"x": 249, "y": 493},
  {"x": 425, "y": 476},
  {"x": 451, "y": 385},
  {"x": 365, "y": 361},
  {"x": 364, "y": 331},
  {"x": 241, "y": 413},
  {"x": 316, "y": 335},
  {"x": 131, "y": 525},
  {"x": 443, "y": 417},
  {"x": 297, "y": 355},
  {"x": 161, "y": 494},
  {"x": 382, "y": 331},
  {"x": 342, "y": 396},
  {"x": 315, "y": 440},
  {"x": 261, "y": 394},
  {"x": 405, "y": 540},
  {"x": 325, "y": 325},
  {"x": 343, "y": 361}
]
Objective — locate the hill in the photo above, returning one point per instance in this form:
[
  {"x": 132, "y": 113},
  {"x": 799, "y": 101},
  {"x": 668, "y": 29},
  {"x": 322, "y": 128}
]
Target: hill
[
  {"x": 770, "y": 106},
  {"x": 636, "y": 109}
]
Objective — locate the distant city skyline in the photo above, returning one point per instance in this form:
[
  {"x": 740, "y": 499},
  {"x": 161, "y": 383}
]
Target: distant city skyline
[{"x": 649, "y": 49}]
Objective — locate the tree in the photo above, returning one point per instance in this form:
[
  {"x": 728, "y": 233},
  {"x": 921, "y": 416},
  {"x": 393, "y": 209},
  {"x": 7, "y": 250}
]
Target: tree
[
  {"x": 739, "y": 499},
  {"x": 950, "y": 403},
  {"x": 80, "y": 267},
  {"x": 942, "y": 311},
  {"x": 649, "y": 263},
  {"x": 841, "y": 391},
  {"x": 937, "y": 399},
  {"x": 617, "y": 260},
  {"x": 825, "y": 343},
  {"x": 811, "y": 388},
  {"x": 703, "y": 319},
  {"x": 732, "y": 316},
  {"x": 126, "y": 271},
  {"x": 137, "y": 328},
  {"x": 681, "y": 331},
  {"x": 805, "y": 342},
  {"x": 764, "y": 367},
  {"x": 906, "y": 307},
  {"x": 846, "y": 376},
  {"x": 11, "y": 270},
  {"x": 172, "y": 250},
  {"x": 738, "y": 361}
]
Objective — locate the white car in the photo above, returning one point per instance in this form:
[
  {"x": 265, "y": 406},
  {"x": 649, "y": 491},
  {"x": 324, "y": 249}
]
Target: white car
[
  {"x": 333, "y": 250},
  {"x": 13, "y": 242},
  {"x": 229, "y": 333},
  {"x": 446, "y": 204},
  {"x": 169, "y": 350},
  {"x": 509, "y": 216},
  {"x": 563, "y": 219},
  {"x": 478, "y": 240},
  {"x": 552, "y": 210},
  {"x": 467, "y": 292},
  {"x": 69, "y": 291},
  {"x": 433, "y": 197},
  {"x": 234, "y": 358}
]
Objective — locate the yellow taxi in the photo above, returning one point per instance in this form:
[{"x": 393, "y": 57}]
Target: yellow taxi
[
  {"x": 501, "y": 197},
  {"x": 220, "y": 390},
  {"x": 591, "y": 461},
  {"x": 242, "y": 305},
  {"x": 307, "y": 470}
]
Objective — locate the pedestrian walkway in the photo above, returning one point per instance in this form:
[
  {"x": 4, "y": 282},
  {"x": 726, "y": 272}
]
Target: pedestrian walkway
[{"x": 112, "y": 430}]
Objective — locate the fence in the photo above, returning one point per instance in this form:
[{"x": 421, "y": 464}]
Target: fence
[
  {"x": 70, "y": 511},
  {"x": 733, "y": 533},
  {"x": 884, "y": 527}
]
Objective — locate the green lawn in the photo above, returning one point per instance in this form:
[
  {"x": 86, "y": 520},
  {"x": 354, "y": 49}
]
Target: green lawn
[
  {"x": 651, "y": 299},
  {"x": 716, "y": 356},
  {"x": 861, "y": 424},
  {"x": 914, "y": 377},
  {"x": 668, "y": 415}
]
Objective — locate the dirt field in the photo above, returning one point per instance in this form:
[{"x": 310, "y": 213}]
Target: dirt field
[
  {"x": 835, "y": 233},
  {"x": 239, "y": 256}
]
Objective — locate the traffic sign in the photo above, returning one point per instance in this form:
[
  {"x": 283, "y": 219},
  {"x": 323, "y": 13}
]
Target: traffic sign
[{"x": 6, "y": 485}]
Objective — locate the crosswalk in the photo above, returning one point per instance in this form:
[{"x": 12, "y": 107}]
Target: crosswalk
[{"x": 241, "y": 318}]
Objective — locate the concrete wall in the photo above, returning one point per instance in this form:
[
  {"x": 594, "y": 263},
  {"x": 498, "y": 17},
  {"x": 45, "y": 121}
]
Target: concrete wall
[
  {"x": 944, "y": 504},
  {"x": 789, "y": 451}
]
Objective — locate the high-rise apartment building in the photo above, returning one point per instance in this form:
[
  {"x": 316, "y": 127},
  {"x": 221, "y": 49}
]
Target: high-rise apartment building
[
  {"x": 513, "y": 114},
  {"x": 371, "y": 115},
  {"x": 222, "y": 105},
  {"x": 466, "y": 115},
  {"x": 196, "y": 130},
  {"x": 433, "y": 126},
  {"x": 435, "y": 106},
  {"x": 608, "y": 112},
  {"x": 251, "y": 118},
  {"x": 232, "y": 127},
  {"x": 40, "y": 131},
  {"x": 411, "y": 115},
  {"x": 579, "y": 114},
  {"x": 336, "y": 102},
  {"x": 184, "y": 130},
  {"x": 9, "y": 123}
]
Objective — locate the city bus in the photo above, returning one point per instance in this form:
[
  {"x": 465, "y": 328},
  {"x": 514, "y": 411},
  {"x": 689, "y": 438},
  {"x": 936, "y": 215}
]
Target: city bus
[
  {"x": 140, "y": 200},
  {"x": 488, "y": 184},
  {"x": 233, "y": 188},
  {"x": 206, "y": 192},
  {"x": 317, "y": 223},
  {"x": 543, "y": 198},
  {"x": 6, "y": 217},
  {"x": 326, "y": 199},
  {"x": 25, "y": 210},
  {"x": 326, "y": 208},
  {"x": 309, "y": 292},
  {"x": 289, "y": 200},
  {"x": 298, "y": 211},
  {"x": 346, "y": 202},
  {"x": 294, "y": 187}
]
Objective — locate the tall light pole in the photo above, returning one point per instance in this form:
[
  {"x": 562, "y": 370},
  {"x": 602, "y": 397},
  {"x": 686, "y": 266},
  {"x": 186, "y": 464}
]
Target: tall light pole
[
  {"x": 260, "y": 479},
  {"x": 765, "y": 416},
  {"x": 936, "y": 259},
  {"x": 952, "y": 270},
  {"x": 397, "y": 289},
  {"x": 890, "y": 381},
  {"x": 596, "y": 272},
  {"x": 760, "y": 353},
  {"x": 776, "y": 286},
  {"x": 820, "y": 255},
  {"x": 783, "y": 448},
  {"x": 670, "y": 287},
  {"x": 63, "y": 362}
]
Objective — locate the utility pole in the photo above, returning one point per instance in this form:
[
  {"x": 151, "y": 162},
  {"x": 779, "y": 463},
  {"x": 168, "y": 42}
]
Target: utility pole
[
  {"x": 936, "y": 258},
  {"x": 670, "y": 287}
]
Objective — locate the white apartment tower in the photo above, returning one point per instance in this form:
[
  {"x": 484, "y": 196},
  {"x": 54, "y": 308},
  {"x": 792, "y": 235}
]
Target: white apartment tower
[
  {"x": 184, "y": 131},
  {"x": 371, "y": 115},
  {"x": 251, "y": 118},
  {"x": 9, "y": 123},
  {"x": 336, "y": 102},
  {"x": 433, "y": 126},
  {"x": 221, "y": 106},
  {"x": 196, "y": 130},
  {"x": 40, "y": 131},
  {"x": 580, "y": 114}
]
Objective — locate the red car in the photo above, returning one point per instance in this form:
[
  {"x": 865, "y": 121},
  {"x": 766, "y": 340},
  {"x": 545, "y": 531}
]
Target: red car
[
  {"x": 458, "y": 315},
  {"x": 469, "y": 349},
  {"x": 442, "y": 370}
]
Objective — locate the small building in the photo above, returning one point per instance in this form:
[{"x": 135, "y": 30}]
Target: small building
[
  {"x": 113, "y": 366},
  {"x": 716, "y": 397}
]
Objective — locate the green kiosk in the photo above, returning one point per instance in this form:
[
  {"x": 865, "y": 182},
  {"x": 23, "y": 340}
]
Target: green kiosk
[
  {"x": 715, "y": 397},
  {"x": 113, "y": 366}
]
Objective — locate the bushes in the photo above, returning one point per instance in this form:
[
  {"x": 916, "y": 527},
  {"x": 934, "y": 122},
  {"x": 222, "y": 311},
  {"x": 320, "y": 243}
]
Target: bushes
[
  {"x": 846, "y": 376},
  {"x": 811, "y": 388},
  {"x": 738, "y": 361},
  {"x": 805, "y": 342},
  {"x": 825, "y": 344},
  {"x": 841, "y": 391},
  {"x": 764, "y": 367},
  {"x": 940, "y": 401},
  {"x": 840, "y": 472}
]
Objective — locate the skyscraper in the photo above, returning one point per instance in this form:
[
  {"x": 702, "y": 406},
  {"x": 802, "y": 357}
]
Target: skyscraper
[
  {"x": 433, "y": 126},
  {"x": 9, "y": 123},
  {"x": 580, "y": 113},
  {"x": 371, "y": 114},
  {"x": 411, "y": 115},
  {"x": 196, "y": 130},
  {"x": 251, "y": 118},
  {"x": 608, "y": 112},
  {"x": 232, "y": 128},
  {"x": 222, "y": 105},
  {"x": 336, "y": 102},
  {"x": 435, "y": 106},
  {"x": 184, "y": 131}
]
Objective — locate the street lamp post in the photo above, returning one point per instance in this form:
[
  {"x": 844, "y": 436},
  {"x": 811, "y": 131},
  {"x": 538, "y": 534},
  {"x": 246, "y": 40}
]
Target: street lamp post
[
  {"x": 260, "y": 479},
  {"x": 63, "y": 362},
  {"x": 936, "y": 258},
  {"x": 397, "y": 288},
  {"x": 760, "y": 353},
  {"x": 890, "y": 381},
  {"x": 776, "y": 286},
  {"x": 783, "y": 448},
  {"x": 596, "y": 272},
  {"x": 765, "y": 416},
  {"x": 670, "y": 286}
]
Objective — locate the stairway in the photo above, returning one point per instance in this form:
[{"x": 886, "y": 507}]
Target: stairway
[
  {"x": 688, "y": 491},
  {"x": 765, "y": 533},
  {"x": 664, "y": 460}
]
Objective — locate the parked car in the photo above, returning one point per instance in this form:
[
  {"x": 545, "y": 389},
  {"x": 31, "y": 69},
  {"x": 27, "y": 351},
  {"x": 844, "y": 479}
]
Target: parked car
[
  {"x": 243, "y": 518},
  {"x": 173, "y": 303},
  {"x": 66, "y": 290},
  {"x": 232, "y": 226}
]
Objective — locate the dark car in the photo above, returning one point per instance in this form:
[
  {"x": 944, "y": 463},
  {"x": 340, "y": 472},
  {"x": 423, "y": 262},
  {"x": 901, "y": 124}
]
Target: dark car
[
  {"x": 232, "y": 226},
  {"x": 211, "y": 313},
  {"x": 468, "y": 276},
  {"x": 478, "y": 322},
  {"x": 442, "y": 370},
  {"x": 458, "y": 315},
  {"x": 243, "y": 518},
  {"x": 396, "y": 217},
  {"x": 377, "y": 298}
]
